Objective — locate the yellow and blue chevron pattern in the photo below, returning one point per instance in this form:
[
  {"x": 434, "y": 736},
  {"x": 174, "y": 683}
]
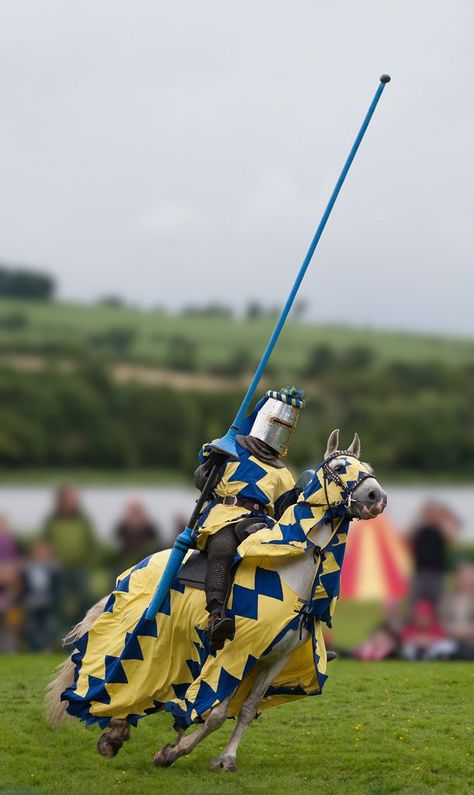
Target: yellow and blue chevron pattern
[
  {"x": 248, "y": 478},
  {"x": 127, "y": 666},
  {"x": 124, "y": 667}
]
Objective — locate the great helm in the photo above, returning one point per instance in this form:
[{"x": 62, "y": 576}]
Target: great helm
[{"x": 276, "y": 420}]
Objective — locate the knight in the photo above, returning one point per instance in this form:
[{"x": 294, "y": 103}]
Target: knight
[{"x": 253, "y": 492}]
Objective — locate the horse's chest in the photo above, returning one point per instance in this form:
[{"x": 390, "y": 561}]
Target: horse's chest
[{"x": 299, "y": 573}]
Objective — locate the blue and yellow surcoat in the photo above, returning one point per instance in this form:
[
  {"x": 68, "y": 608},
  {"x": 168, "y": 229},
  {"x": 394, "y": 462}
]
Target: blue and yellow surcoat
[{"x": 248, "y": 478}]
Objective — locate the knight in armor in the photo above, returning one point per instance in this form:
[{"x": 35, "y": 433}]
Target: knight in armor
[{"x": 254, "y": 491}]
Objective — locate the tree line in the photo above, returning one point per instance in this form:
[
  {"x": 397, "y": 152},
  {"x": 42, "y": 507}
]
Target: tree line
[
  {"x": 26, "y": 283},
  {"x": 411, "y": 417}
]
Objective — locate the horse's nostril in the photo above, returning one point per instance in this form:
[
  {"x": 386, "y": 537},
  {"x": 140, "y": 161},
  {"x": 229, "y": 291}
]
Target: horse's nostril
[{"x": 373, "y": 496}]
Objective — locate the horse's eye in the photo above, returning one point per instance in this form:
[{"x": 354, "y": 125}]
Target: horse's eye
[{"x": 339, "y": 468}]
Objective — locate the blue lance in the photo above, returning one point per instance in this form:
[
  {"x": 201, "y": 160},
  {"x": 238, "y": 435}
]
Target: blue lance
[{"x": 225, "y": 448}]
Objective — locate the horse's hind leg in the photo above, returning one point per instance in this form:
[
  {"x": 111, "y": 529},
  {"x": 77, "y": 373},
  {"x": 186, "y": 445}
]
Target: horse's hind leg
[
  {"x": 165, "y": 756},
  {"x": 110, "y": 743},
  {"x": 248, "y": 710}
]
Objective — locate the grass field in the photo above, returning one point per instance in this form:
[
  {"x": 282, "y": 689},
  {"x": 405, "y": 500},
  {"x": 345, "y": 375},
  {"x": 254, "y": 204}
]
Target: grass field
[
  {"x": 33, "y": 326},
  {"x": 379, "y": 728}
]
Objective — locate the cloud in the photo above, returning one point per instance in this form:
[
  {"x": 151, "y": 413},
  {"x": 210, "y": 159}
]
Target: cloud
[
  {"x": 171, "y": 218},
  {"x": 178, "y": 149}
]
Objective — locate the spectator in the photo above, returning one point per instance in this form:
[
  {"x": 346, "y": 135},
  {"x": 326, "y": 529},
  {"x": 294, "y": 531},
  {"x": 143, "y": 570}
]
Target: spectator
[
  {"x": 384, "y": 641},
  {"x": 423, "y": 638},
  {"x": 458, "y": 612},
  {"x": 136, "y": 534},
  {"x": 381, "y": 645},
  {"x": 431, "y": 536},
  {"x": 40, "y": 596},
  {"x": 10, "y": 611},
  {"x": 70, "y": 536}
]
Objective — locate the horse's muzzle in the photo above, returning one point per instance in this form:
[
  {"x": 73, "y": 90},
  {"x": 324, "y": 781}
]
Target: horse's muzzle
[{"x": 369, "y": 499}]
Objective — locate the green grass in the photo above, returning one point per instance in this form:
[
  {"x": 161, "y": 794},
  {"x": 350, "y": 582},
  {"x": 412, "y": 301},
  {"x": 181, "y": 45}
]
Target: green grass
[
  {"x": 93, "y": 477},
  {"x": 379, "y": 728},
  {"x": 217, "y": 339}
]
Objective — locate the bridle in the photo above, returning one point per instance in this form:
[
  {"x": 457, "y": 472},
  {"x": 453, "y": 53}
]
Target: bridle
[{"x": 329, "y": 475}]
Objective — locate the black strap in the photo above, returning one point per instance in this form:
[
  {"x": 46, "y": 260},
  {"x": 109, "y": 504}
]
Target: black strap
[{"x": 240, "y": 502}]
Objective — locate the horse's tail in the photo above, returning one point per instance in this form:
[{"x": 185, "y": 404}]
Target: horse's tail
[{"x": 64, "y": 674}]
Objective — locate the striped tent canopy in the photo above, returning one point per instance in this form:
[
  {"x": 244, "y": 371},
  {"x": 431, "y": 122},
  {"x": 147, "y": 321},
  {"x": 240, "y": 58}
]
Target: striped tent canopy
[{"x": 377, "y": 563}]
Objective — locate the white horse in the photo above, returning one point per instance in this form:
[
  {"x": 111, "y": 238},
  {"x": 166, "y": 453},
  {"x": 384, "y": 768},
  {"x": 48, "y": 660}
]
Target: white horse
[{"x": 363, "y": 498}]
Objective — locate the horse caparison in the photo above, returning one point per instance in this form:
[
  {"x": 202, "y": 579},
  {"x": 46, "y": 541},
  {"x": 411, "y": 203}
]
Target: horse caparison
[{"x": 280, "y": 639}]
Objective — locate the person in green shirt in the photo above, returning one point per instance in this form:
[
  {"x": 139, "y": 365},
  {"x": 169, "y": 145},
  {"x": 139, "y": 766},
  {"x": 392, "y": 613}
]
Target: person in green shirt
[{"x": 70, "y": 536}]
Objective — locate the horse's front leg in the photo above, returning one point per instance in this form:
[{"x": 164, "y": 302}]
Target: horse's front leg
[
  {"x": 110, "y": 743},
  {"x": 168, "y": 754},
  {"x": 227, "y": 760}
]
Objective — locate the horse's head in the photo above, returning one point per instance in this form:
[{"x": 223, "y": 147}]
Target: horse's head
[{"x": 349, "y": 482}]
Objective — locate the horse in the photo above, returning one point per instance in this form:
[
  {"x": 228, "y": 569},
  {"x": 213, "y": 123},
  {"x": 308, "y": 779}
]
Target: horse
[{"x": 285, "y": 586}]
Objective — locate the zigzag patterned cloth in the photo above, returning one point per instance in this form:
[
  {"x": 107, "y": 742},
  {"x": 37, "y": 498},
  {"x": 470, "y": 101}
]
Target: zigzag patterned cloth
[
  {"x": 247, "y": 478},
  {"x": 128, "y": 667}
]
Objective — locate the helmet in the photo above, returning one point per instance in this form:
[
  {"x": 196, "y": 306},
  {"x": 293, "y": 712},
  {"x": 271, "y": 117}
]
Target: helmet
[{"x": 276, "y": 420}]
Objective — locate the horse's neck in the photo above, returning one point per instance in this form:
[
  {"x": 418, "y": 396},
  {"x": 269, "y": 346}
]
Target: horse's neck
[{"x": 299, "y": 572}]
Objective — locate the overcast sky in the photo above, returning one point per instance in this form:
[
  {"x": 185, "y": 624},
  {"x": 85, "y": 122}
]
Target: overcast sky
[{"x": 180, "y": 152}]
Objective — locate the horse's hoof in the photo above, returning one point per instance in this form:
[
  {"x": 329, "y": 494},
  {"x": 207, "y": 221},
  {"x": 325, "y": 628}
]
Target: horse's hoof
[
  {"x": 225, "y": 763},
  {"x": 164, "y": 757},
  {"x": 107, "y": 747}
]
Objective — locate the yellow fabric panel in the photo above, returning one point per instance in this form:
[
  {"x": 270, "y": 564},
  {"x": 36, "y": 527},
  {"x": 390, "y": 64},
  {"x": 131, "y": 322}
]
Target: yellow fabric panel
[
  {"x": 164, "y": 657},
  {"x": 274, "y": 483}
]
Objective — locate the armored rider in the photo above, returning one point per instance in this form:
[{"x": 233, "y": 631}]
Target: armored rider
[{"x": 253, "y": 492}]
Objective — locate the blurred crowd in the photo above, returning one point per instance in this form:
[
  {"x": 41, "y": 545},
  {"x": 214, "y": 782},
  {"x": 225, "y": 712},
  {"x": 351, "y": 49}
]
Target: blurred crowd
[
  {"x": 437, "y": 621},
  {"x": 49, "y": 581}
]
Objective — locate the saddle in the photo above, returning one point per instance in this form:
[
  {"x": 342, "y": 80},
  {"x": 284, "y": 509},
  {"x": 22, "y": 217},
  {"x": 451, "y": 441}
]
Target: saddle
[{"x": 193, "y": 572}]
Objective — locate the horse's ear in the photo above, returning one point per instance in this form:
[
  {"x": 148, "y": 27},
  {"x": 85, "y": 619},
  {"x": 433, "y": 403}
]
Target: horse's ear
[
  {"x": 354, "y": 446},
  {"x": 333, "y": 443}
]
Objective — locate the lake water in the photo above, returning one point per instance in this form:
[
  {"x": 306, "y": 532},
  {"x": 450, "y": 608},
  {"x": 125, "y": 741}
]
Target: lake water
[{"x": 27, "y": 506}]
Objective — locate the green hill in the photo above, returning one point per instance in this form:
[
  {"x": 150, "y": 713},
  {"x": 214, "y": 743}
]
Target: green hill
[
  {"x": 106, "y": 387},
  {"x": 202, "y": 343}
]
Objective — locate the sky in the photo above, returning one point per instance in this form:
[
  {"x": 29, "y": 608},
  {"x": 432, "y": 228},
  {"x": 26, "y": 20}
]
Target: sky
[{"x": 182, "y": 153}]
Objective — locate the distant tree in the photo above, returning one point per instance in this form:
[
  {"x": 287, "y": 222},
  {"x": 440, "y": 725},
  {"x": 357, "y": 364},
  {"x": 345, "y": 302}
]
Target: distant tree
[
  {"x": 24, "y": 283},
  {"x": 300, "y": 308},
  {"x": 357, "y": 357},
  {"x": 321, "y": 360},
  {"x": 214, "y": 309},
  {"x": 239, "y": 362},
  {"x": 13, "y": 321},
  {"x": 113, "y": 301},
  {"x": 182, "y": 354},
  {"x": 254, "y": 310},
  {"x": 116, "y": 338}
]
